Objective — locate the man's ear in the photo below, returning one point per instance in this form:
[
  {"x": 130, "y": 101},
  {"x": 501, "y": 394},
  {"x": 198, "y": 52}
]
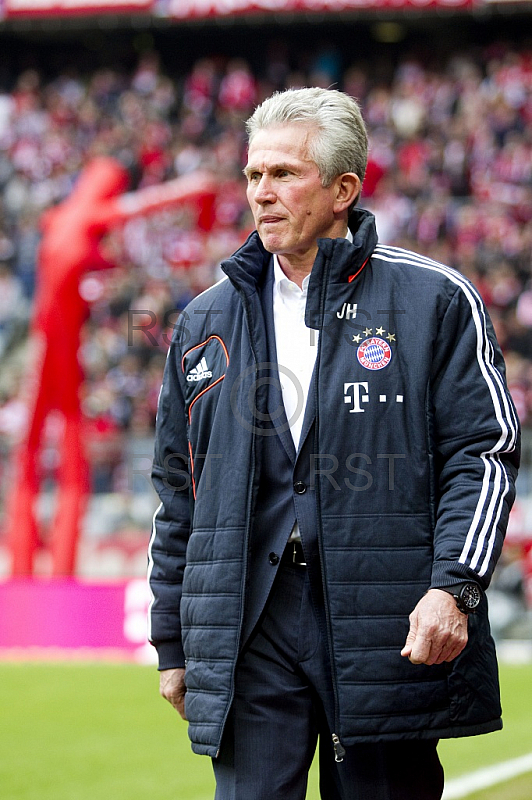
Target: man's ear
[{"x": 348, "y": 188}]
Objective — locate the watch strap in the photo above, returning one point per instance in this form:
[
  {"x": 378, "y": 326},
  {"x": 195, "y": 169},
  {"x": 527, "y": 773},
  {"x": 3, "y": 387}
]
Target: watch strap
[{"x": 467, "y": 595}]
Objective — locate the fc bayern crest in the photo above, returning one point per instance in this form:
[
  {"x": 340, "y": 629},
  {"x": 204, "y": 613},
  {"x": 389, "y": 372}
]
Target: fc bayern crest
[{"x": 374, "y": 353}]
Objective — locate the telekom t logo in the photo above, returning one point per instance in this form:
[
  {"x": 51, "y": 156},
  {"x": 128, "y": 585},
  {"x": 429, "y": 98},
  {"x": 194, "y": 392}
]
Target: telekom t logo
[{"x": 356, "y": 393}]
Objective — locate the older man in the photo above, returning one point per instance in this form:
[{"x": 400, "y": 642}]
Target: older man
[{"x": 336, "y": 454}]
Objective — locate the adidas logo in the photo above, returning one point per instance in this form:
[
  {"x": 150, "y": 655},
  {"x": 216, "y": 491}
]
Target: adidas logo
[{"x": 200, "y": 372}]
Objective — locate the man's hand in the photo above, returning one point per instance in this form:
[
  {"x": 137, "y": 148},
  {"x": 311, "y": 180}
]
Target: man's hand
[
  {"x": 438, "y": 630},
  {"x": 172, "y": 688}
]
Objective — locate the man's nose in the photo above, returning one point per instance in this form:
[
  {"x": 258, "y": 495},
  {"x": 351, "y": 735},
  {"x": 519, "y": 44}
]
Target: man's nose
[{"x": 264, "y": 192}]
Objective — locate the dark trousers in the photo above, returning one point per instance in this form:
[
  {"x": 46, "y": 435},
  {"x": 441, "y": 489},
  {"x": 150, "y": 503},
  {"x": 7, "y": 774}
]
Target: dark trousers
[{"x": 283, "y": 705}]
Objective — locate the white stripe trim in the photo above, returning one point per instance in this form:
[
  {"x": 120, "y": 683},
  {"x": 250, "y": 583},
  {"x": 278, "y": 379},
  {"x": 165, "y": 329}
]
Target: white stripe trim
[
  {"x": 485, "y": 360},
  {"x": 480, "y": 506},
  {"x": 489, "y": 514},
  {"x": 472, "y": 295},
  {"x": 484, "y": 353},
  {"x": 492, "y": 466},
  {"x": 150, "y": 568},
  {"x": 491, "y": 543}
]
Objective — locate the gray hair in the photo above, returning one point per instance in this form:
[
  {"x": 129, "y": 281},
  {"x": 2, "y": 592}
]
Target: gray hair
[{"x": 341, "y": 140}]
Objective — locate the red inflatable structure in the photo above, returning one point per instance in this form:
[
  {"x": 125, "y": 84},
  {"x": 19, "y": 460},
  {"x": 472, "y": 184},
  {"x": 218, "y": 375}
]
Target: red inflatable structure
[{"x": 71, "y": 245}]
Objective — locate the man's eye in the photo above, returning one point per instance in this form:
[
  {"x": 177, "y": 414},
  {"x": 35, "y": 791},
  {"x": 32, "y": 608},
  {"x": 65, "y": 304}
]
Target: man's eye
[{"x": 254, "y": 177}]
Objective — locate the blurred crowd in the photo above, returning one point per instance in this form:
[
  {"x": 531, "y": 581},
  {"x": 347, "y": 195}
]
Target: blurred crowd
[{"x": 450, "y": 175}]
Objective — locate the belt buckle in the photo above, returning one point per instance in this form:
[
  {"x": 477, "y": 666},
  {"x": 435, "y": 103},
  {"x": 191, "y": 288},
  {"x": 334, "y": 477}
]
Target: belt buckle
[{"x": 295, "y": 554}]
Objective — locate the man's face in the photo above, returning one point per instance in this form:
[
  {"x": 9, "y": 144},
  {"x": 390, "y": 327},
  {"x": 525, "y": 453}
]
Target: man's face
[{"x": 290, "y": 206}]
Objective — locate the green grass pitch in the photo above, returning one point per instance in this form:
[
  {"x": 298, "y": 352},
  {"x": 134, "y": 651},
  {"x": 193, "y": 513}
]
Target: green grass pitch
[{"x": 80, "y": 731}]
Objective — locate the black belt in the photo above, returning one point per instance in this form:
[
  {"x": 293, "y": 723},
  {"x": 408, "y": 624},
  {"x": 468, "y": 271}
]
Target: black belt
[{"x": 294, "y": 555}]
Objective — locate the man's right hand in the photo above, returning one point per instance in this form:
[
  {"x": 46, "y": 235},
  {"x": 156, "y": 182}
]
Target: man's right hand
[{"x": 172, "y": 688}]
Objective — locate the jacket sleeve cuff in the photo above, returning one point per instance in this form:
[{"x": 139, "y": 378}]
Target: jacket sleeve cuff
[
  {"x": 446, "y": 574},
  {"x": 170, "y": 655}
]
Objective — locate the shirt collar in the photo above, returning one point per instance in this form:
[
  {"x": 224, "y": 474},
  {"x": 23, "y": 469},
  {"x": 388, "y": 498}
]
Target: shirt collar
[{"x": 281, "y": 282}]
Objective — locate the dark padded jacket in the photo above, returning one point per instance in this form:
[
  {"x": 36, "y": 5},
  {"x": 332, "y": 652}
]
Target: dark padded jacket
[{"x": 412, "y": 412}]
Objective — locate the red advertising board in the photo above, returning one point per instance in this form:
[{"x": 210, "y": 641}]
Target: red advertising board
[
  {"x": 204, "y": 9},
  {"x": 190, "y": 9},
  {"x": 49, "y": 8}
]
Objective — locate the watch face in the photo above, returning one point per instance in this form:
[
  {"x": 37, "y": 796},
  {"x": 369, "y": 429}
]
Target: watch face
[{"x": 470, "y": 596}]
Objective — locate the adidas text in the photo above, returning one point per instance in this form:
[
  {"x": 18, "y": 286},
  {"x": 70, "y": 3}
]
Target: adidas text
[{"x": 199, "y": 376}]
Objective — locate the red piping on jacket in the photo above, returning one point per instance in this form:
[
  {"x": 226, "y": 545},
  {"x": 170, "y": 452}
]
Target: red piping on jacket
[
  {"x": 351, "y": 278},
  {"x": 201, "y": 344}
]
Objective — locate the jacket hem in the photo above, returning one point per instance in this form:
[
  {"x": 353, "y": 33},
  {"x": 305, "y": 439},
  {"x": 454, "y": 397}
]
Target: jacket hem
[{"x": 449, "y": 732}]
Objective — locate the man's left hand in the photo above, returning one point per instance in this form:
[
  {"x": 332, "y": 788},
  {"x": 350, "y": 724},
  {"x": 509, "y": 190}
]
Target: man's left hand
[{"x": 438, "y": 630}]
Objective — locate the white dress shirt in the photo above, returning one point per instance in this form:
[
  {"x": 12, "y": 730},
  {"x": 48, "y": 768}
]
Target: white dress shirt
[{"x": 297, "y": 347}]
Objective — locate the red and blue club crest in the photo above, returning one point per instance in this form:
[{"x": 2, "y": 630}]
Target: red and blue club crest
[{"x": 374, "y": 353}]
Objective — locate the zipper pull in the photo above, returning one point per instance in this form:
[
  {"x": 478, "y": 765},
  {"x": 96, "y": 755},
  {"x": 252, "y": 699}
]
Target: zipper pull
[{"x": 339, "y": 751}]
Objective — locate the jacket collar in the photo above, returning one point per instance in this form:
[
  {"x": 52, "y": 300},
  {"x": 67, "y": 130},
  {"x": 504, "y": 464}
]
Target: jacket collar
[
  {"x": 337, "y": 260},
  {"x": 247, "y": 267}
]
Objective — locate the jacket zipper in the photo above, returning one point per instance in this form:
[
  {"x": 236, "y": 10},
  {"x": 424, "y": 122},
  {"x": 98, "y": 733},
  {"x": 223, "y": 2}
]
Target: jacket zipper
[{"x": 339, "y": 751}]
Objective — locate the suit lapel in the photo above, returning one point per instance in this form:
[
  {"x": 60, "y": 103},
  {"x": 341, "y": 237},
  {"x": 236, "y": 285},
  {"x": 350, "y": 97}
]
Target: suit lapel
[
  {"x": 276, "y": 407},
  {"x": 310, "y": 412}
]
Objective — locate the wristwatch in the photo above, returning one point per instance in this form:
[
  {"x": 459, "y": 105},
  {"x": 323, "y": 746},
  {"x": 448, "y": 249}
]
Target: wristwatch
[{"x": 467, "y": 596}]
